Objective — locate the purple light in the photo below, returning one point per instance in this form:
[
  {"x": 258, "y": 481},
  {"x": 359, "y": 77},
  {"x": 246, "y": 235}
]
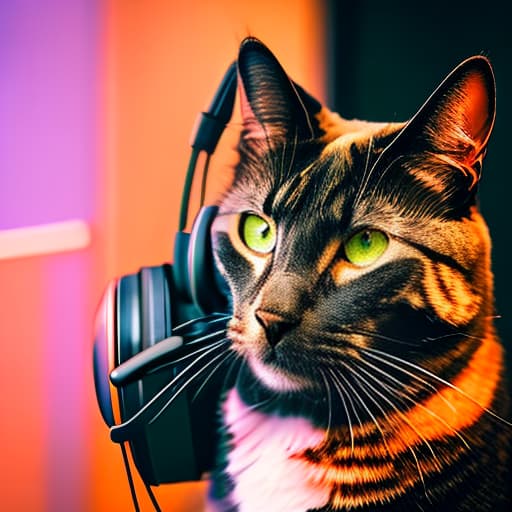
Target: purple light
[{"x": 49, "y": 83}]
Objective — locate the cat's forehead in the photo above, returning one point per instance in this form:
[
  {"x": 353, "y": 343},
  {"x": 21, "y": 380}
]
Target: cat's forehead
[{"x": 324, "y": 185}]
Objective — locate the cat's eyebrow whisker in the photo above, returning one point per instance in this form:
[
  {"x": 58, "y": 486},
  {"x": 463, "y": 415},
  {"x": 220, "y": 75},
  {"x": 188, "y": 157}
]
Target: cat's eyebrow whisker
[
  {"x": 341, "y": 393},
  {"x": 294, "y": 152},
  {"x": 366, "y": 175},
  {"x": 407, "y": 396},
  {"x": 364, "y": 383},
  {"x": 371, "y": 352},
  {"x": 386, "y": 169},
  {"x": 283, "y": 157}
]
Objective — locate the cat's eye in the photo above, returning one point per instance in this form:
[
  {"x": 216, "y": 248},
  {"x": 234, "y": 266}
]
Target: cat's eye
[
  {"x": 257, "y": 233},
  {"x": 366, "y": 247}
]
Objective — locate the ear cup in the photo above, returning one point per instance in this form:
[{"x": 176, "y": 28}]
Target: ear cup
[
  {"x": 143, "y": 317},
  {"x": 164, "y": 451},
  {"x": 104, "y": 354},
  {"x": 207, "y": 289}
]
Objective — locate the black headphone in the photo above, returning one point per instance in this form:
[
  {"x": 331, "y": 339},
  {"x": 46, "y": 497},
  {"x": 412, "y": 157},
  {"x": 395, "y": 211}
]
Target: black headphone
[{"x": 154, "y": 327}]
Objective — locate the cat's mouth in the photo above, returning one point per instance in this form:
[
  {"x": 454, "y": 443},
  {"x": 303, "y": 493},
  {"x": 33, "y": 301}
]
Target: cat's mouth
[
  {"x": 267, "y": 363},
  {"x": 274, "y": 376}
]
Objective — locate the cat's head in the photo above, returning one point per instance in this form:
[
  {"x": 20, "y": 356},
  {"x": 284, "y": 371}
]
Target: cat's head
[{"x": 339, "y": 238}]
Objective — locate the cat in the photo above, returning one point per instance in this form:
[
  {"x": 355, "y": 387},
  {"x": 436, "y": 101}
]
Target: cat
[{"x": 371, "y": 376}]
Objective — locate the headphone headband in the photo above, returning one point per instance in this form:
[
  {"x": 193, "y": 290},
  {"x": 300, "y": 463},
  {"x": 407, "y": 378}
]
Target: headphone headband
[{"x": 208, "y": 129}]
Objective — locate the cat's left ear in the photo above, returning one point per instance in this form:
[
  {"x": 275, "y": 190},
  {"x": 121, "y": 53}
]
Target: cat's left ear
[
  {"x": 455, "y": 123},
  {"x": 274, "y": 108}
]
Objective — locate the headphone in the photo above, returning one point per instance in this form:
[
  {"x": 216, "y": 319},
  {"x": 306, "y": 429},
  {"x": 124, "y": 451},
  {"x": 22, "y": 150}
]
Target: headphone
[{"x": 159, "y": 329}]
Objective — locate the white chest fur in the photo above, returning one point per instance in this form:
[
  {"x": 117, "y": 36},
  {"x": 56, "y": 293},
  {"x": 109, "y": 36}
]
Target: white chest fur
[{"x": 265, "y": 462}]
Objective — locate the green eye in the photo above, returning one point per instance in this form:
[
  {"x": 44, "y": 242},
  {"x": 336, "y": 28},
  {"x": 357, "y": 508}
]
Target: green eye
[
  {"x": 365, "y": 247},
  {"x": 257, "y": 233}
]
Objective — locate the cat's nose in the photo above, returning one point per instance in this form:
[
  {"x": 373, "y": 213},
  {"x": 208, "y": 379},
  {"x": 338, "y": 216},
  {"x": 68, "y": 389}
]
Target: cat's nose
[{"x": 275, "y": 324}]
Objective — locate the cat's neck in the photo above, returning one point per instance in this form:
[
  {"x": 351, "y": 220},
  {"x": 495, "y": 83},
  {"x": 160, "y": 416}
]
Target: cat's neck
[{"x": 266, "y": 459}]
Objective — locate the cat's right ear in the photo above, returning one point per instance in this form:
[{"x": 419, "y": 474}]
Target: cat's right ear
[
  {"x": 455, "y": 122},
  {"x": 274, "y": 108}
]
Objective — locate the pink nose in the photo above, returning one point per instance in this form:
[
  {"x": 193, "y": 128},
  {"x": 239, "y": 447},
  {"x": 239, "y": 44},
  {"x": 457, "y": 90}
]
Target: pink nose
[{"x": 275, "y": 325}]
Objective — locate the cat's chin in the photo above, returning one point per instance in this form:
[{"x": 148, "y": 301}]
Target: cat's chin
[{"x": 276, "y": 379}]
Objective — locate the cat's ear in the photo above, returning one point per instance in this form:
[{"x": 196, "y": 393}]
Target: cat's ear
[
  {"x": 455, "y": 123},
  {"x": 274, "y": 108}
]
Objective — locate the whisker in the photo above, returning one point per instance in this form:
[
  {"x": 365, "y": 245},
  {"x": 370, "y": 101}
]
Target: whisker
[
  {"x": 227, "y": 377},
  {"x": 364, "y": 383},
  {"x": 386, "y": 169},
  {"x": 329, "y": 403},
  {"x": 366, "y": 174},
  {"x": 146, "y": 414},
  {"x": 394, "y": 406},
  {"x": 379, "y": 336},
  {"x": 352, "y": 405},
  {"x": 372, "y": 353},
  {"x": 415, "y": 402},
  {"x": 189, "y": 380},
  {"x": 209, "y": 319},
  {"x": 228, "y": 353},
  {"x": 425, "y": 384},
  {"x": 190, "y": 354},
  {"x": 237, "y": 381},
  {"x": 366, "y": 408},
  {"x": 283, "y": 157},
  {"x": 294, "y": 150},
  {"x": 341, "y": 392},
  {"x": 253, "y": 407},
  {"x": 195, "y": 341}
]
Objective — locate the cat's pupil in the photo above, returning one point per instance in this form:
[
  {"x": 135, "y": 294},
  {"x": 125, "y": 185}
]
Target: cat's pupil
[
  {"x": 366, "y": 239},
  {"x": 264, "y": 230}
]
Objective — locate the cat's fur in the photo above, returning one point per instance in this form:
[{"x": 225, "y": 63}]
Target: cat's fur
[{"x": 374, "y": 387}]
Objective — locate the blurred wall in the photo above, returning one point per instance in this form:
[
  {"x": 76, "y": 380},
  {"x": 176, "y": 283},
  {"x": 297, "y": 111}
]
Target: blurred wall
[
  {"x": 97, "y": 102},
  {"x": 49, "y": 171}
]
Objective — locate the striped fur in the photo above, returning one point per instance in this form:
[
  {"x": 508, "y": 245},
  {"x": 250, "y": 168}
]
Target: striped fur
[{"x": 375, "y": 387}]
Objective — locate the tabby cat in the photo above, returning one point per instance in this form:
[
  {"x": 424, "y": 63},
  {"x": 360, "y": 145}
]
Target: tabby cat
[{"x": 371, "y": 375}]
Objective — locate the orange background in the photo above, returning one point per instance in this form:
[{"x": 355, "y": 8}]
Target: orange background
[{"x": 163, "y": 65}]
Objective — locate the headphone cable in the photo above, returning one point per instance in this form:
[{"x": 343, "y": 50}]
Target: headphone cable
[
  {"x": 131, "y": 483},
  {"x": 152, "y": 497},
  {"x": 130, "y": 478}
]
